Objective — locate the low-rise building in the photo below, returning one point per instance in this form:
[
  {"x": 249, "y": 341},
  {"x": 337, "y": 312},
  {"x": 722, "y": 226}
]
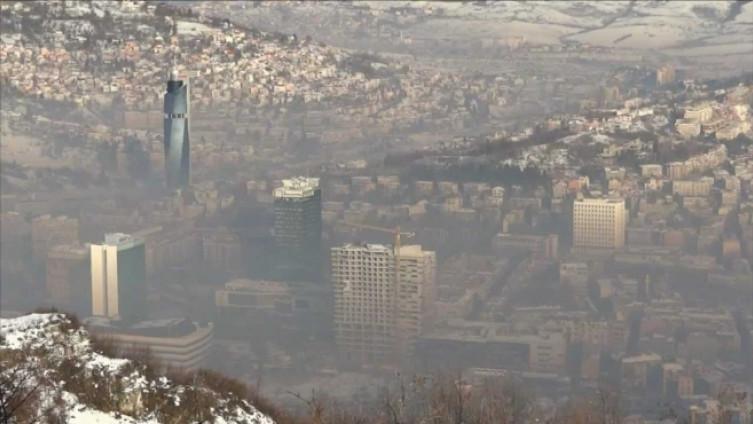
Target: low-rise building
[
  {"x": 652, "y": 170},
  {"x": 471, "y": 344},
  {"x": 542, "y": 247},
  {"x": 700, "y": 187},
  {"x": 174, "y": 343}
]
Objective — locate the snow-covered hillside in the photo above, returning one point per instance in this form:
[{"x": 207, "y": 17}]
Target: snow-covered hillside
[{"x": 52, "y": 372}]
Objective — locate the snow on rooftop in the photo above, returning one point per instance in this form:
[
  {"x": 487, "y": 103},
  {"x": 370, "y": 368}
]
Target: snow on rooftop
[{"x": 297, "y": 187}]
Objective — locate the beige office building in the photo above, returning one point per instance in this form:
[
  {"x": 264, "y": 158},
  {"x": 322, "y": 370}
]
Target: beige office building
[
  {"x": 599, "y": 223},
  {"x": 118, "y": 278},
  {"x": 379, "y": 312}
]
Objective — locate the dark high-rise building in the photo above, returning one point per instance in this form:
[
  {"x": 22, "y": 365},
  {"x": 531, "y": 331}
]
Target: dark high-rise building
[
  {"x": 298, "y": 230},
  {"x": 177, "y": 107}
]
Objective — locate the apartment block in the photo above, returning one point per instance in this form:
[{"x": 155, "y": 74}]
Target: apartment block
[
  {"x": 382, "y": 304},
  {"x": 599, "y": 223}
]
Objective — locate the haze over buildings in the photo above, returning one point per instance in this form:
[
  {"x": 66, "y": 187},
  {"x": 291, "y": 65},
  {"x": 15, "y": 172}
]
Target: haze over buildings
[{"x": 553, "y": 195}]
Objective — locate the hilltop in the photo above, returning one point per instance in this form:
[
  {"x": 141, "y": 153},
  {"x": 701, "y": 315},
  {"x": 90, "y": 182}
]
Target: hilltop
[{"x": 53, "y": 372}]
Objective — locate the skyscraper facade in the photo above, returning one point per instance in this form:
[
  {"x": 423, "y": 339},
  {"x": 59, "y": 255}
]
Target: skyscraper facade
[
  {"x": 416, "y": 293},
  {"x": 363, "y": 281},
  {"x": 118, "y": 277},
  {"x": 599, "y": 223},
  {"x": 177, "y": 146},
  {"x": 381, "y": 304},
  {"x": 298, "y": 229}
]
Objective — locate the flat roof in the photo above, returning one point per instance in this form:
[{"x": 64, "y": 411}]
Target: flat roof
[
  {"x": 172, "y": 327},
  {"x": 600, "y": 200},
  {"x": 371, "y": 247},
  {"x": 297, "y": 187},
  {"x": 121, "y": 240},
  {"x": 244, "y": 284}
]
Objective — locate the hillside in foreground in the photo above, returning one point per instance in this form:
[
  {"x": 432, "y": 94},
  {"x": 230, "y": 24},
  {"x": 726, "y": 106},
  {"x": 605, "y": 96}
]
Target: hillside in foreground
[{"x": 51, "y": 371}]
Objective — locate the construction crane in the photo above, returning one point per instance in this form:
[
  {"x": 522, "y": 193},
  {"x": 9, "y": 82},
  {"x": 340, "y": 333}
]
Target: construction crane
[{"x": 397, "y": 234}]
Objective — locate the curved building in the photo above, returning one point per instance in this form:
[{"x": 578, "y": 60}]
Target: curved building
[
  {"x": 177, "y": 105},
  {"x": 171, "y": 343}
]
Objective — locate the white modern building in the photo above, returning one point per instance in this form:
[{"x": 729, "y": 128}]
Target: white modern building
[
  {"x": 599, "y": 223},
  {"x": 174, "y": 343},
  {"x": 118, "y": 277}
]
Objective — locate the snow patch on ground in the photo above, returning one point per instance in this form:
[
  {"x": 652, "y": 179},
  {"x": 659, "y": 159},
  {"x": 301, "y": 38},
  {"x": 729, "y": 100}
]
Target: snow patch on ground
[
  {"x": 18, "y": 332},
  {"x": 110, "y": 365},
  {"x": 46, "y": 331}
]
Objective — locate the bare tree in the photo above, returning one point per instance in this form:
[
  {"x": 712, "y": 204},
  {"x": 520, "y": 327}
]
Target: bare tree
[
  {"x": 601, "y": 408},
  {"x": 21, "y": 386},
  {"x": 314, "y": 405}
]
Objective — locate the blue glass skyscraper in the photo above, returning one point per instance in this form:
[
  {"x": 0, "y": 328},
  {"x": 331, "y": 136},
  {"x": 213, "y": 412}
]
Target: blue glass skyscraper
[{"x": 177, "y": 159}]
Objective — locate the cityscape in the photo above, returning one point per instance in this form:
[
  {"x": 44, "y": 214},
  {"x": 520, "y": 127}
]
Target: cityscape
[{"x": 376, "y": 212}]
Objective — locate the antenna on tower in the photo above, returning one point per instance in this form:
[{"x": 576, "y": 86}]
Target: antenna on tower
[{"x": 173, "y": 69}]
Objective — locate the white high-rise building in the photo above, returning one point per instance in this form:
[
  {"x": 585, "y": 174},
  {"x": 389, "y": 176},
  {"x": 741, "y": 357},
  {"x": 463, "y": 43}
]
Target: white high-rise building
[
  {"x": 599, "y": 223},
  {"x": 118, "y": 278},
  {"x": 379, "y": 313}
]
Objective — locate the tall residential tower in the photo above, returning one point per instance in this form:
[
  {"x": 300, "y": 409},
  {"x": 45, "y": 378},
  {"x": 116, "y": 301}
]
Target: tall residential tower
[
  {"x": 298, "y": 229},
  {"x": 382, "y": 303},
  {"x": 177, "y": 146}
]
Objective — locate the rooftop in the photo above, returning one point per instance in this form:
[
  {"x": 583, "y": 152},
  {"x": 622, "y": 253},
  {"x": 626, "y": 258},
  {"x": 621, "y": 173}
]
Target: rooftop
[
  {"x": 371, "y": 247},
  {"x": 121, "y": 240},
  {"x": 646, "y": 357},
  {"x": 412, "y": 250},
  {"x": 297, "y": 187},
  {"x": 174, "y": 327},
  {"x": 243, "y": 284},
  {"x": 601, "y": 200}
]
